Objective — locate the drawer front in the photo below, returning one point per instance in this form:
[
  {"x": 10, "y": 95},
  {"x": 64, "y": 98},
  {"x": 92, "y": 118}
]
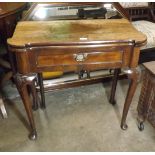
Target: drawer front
[{"x": 79, "y": 59}]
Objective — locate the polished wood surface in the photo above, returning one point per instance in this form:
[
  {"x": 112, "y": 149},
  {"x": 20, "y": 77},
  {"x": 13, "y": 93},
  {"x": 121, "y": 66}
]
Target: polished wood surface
[
  {"x": 75, "y": 45},
  {"x": 74, "y": 31},
  {"x": 65, "y": 58},
  {"x": 10, "y": 14}
]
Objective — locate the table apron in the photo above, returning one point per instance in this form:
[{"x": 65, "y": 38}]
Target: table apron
[{"x": 48, "y": 60}]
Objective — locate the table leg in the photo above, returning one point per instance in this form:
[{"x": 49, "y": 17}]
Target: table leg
[
  {"x": 41, "y": 85},
  {"x": 22, "y": 83},
  {"x": 113, "y": 88},
  {"x": 133, "y": 75},
  {"x": 34, "y": 95}
]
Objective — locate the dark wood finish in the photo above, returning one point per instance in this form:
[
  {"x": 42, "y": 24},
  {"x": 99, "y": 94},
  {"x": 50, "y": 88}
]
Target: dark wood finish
[
  {"x": 146, "y": 104},
  {"x": 133, "y": 76},
  {"x": 10, "y": 14},
  {"x": 142, "y": 12},
  {"x": 81, "y": 81},
  {"x": 111, "y": 64},
  {"x": 152, "y": 8},
  {"x": 117, "y": 56},
  {"x": 106, "y": 47},
  {"x": 114, "y": 84},
  {"x": 22, "y": 83},
  {"x": 35, "y": 98},
  {"x": 41, "y": 85},
  {"x": 139, "y": 13}
]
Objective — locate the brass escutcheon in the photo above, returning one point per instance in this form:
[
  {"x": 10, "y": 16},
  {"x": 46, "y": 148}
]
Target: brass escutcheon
[{"x": 80, "y": 57}]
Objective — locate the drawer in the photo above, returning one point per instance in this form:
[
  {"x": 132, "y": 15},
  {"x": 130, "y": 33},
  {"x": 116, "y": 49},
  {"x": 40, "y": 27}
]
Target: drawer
[{"x": 79, "y": 59}]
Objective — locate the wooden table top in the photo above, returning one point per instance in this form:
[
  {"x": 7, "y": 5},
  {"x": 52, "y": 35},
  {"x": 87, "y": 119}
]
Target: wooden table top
[{"x": 69, "y": 31}]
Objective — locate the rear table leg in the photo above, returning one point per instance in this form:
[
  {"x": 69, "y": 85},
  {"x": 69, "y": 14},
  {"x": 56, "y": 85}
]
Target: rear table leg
[
  {"x": 40, "y": 80},
  {"x": 114, "y": 84}
]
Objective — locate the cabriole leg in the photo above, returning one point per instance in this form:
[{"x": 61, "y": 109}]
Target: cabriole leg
[
  {"x": 133, "y": 75},
  {"x": 22, "y": 84}
]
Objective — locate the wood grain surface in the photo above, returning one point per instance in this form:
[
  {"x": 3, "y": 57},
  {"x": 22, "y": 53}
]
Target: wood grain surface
[{"x": 74, "y": 31}]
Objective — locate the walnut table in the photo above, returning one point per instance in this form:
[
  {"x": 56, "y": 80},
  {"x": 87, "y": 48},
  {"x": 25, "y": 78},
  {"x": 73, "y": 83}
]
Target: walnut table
[{"x": 75, "y": 45}]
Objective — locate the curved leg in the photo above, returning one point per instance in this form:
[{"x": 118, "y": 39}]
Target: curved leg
[
  {"x": 113, "y": 88},
  {"x": 41, "y": 85},
  {"x": 22, "y": 83},
  {"x": 133, "y": 76}
]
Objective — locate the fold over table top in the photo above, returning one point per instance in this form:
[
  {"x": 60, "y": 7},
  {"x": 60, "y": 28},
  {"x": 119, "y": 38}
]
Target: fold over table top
[{"x": 69, "y": 31}]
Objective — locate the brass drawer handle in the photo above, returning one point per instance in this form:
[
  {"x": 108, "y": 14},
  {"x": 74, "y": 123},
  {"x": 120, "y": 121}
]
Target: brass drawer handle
[{"x": 80, "y": 57}]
